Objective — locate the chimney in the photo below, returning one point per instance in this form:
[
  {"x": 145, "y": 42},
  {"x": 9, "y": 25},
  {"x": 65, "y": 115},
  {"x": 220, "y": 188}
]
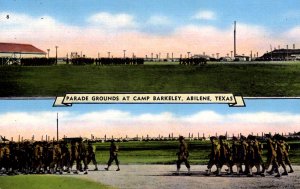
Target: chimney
[{"x": 234, "y": 33}]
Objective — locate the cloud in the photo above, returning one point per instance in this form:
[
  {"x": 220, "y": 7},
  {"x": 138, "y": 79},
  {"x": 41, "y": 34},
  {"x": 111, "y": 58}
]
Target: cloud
[
  {"x": 121, "y": 123},
  {"x": 115, "y": 32},
  {"x": 159, "y": 20},
  {"x": 293, "y": 33},
  {"x": 205, "y": 15},
  {"x": 113, "y": 21}
]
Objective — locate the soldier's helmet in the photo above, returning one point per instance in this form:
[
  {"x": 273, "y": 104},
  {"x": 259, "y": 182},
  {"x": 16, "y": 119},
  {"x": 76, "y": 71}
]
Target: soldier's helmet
[
  {"x": 234, "y": 138},
  {"x": 181, "y": 138},
  {"x": 212, "y": 138},
  {"x": 277, "y": 136},
  {"x": 242, "y": 137},
  {"x": 222, "y": 137},
  {"x": 268, "y": 136},
  {"x": 250, "y": 137}
]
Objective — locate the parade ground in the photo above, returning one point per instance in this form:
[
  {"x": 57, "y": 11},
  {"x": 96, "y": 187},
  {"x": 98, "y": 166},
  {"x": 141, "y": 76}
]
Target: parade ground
[
  {"x": 162, "y": 176},
  {"x": 260, "y": 79}
]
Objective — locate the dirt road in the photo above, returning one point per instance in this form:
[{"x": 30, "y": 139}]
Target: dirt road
[{"x": 162, "y": 176}]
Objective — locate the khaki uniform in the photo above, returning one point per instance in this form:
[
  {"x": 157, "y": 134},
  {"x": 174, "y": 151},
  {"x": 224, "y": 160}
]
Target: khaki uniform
[
  {"x": 281, "y": 156},
  {"x": 272, "y": 156},
  {"x": 285, "y": 149},
  {"x": 214, "y": 156},
  {"x": 183, "y": 155}
]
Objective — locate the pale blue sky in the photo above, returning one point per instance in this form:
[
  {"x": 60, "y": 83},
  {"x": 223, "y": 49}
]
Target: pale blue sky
[
  {"x": 274, "y": 14},
  {"x": 38, "y": 117},
  {"x": 145, "y": 26},
  {"x": 252, "y": 105}
]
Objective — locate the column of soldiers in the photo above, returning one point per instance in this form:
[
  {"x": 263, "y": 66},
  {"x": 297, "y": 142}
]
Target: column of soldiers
[
  {"x": 247, "y": 151},
  {"x": 119, "y": 61},
  {"x": 192, "y": 61},
  {"x": 58, "y": 157},
  {"x": 45, "y": 157}
]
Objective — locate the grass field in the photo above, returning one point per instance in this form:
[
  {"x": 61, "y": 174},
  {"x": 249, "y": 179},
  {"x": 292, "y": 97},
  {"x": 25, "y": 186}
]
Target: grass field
[
  {"x": 47, "y": 182},
  {"x": 247, "y": 79},
  {"x": 164, "y": 152}
]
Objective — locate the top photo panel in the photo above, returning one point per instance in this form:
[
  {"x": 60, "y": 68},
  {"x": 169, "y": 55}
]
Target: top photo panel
[{"x": 50, "y": 48}]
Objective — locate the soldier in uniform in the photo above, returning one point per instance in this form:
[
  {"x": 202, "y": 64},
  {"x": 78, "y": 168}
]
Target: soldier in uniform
[
  {"x": 113, "y": 155},
  {"x": 214, "y": 156},
  {"x": 91, "y": 155},
  {"x": 271, "y": 157},
  {"x": 83, "y": 157},
  {"x": 280, "y": 154},
  {"x": 225, "y": 154},
  {"x": 65, "y": 156},
  {"x": 6, "y": 157},
  {"x": 238, "y": 154},
  {"x": 254, "y": 155},
  {"x": 38, "y": 157},
  {"x": 286, "y": 148},
  {"x": 183, "y": 155},
  {"x": 57, "y": 155},
  {"x": 75, "y": 156}
]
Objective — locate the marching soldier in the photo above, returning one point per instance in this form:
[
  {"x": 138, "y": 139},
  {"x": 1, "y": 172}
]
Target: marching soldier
[
  {"x": 65, "y": 156},
  {"x": 113, "y": 155},
  {"x": 75, "y": 156},
  {"x": 183, "y": 155},
  {"x": 225, "y": 154},
  {"x": 280, "y": 154},
  {"x": 285, "y": 147},
  {"x": 271, "y": 157},
  {"x": 254, "y": 155},
  {"x": 214, "y": 156},
  {"x": 6, "y": 158},
  {"x": 238, "y": 154},
  {"x": 38, "y": 157},
  {"x": 56, "y": 164},
  {"x": 91, "y": 155},
  {"x": 83, "y": 157}
]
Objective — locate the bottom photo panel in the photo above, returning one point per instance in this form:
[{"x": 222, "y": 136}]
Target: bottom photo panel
[{"x": 149, "y": 145}]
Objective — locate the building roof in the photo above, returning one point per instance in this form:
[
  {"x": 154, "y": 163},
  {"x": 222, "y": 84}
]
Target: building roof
[{"x": 19, "y": 48}]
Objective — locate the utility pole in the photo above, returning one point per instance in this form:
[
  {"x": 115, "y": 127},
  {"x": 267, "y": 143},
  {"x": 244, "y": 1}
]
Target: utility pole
[
  {"x": 234, "y": 33},
  {"x": 48, "y": 52},
  {"x": 57, "y": 126},
  {"x": 108, "y": 53},
  {"x": 56, "y": 54},
  {"x": 124, "y": 51},
  {"x": 188, "y": 54},
  {"x": 287, "y": 52}
]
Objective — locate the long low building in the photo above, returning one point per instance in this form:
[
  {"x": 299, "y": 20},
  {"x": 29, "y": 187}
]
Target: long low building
[
  {"x": 15, "y": 50},
  {"x": 281, "y": 54}
]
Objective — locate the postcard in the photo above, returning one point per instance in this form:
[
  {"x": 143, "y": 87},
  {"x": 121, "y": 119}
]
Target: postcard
[{"x": 149, "y": 94}]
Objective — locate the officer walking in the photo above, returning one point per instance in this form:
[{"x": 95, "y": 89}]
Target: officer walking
[
  {"x": 183, "y": 155},
  {"x": 91, "y": 155},
  {"x": 113, "y": 151}
]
